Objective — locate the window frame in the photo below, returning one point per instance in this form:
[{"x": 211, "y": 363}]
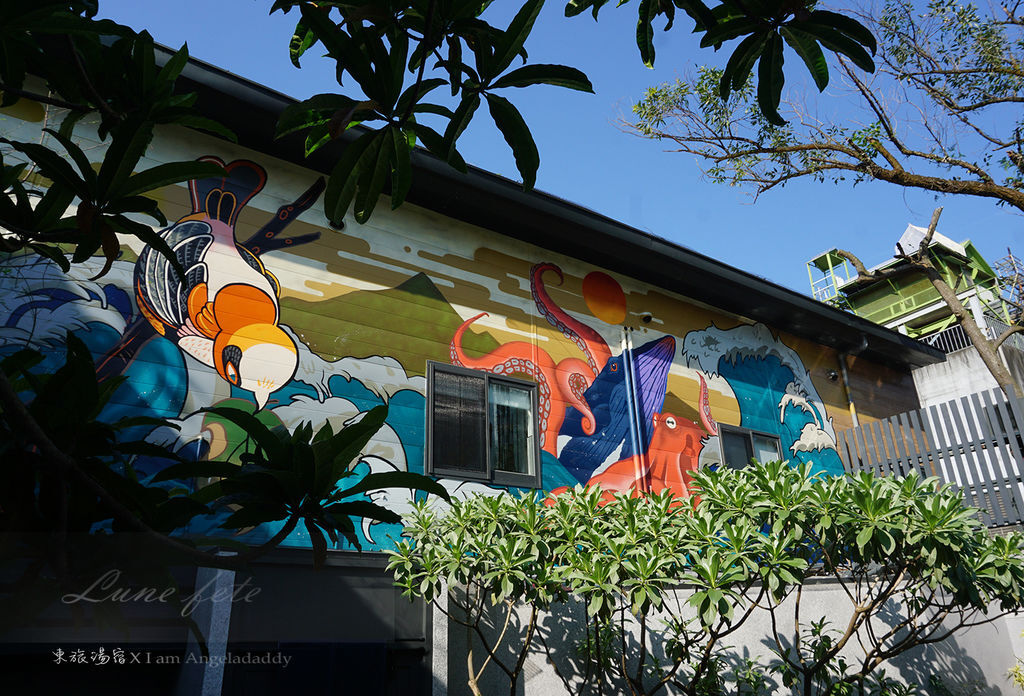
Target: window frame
[
  {"x": 490, "y": 475},
  {"x": 749, "y": 433}
]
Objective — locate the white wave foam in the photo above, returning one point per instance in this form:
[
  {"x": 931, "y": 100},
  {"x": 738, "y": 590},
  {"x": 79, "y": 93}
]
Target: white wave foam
[
  {"x": 707, "y": 347},
  {"x": 26, "y": 279},
  {"x": 813, "y": 439},
  {"x": 382, "y": 375}
]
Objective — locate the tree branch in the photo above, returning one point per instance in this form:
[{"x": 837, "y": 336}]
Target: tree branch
[
  {"x": 44, "y": 99},
  {"x": 1006, "y": 334}
]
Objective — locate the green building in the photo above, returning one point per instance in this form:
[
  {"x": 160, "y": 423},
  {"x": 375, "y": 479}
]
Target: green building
[{"x": 907, "y": 302}]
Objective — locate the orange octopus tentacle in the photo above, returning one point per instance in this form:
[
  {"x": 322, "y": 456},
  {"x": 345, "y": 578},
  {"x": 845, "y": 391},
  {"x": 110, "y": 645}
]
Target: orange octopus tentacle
[
  {"x": 588, "y": 340},
  {"x": 705, "y": 408},
  {"x": 553, "y": 383}
]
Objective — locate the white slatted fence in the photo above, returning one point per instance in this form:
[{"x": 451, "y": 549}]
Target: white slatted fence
[{"x": 974, "y": 442}]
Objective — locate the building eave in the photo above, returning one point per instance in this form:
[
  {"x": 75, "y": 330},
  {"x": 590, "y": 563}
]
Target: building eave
[{"x": 499, "y": 204}]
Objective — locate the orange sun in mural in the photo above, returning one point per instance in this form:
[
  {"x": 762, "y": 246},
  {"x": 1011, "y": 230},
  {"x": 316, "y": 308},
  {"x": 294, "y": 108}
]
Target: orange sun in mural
[{"x": 604, "y": 297}]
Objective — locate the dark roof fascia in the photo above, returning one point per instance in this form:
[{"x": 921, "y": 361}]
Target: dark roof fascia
[{"x": 499, "y": 204}]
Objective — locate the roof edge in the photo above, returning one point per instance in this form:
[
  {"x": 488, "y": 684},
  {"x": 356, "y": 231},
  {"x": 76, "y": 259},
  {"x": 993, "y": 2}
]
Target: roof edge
[{"x": 494, "y": 202}]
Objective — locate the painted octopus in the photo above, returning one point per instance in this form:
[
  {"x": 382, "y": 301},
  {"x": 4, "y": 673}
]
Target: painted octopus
[
  {"x": 564, "y": 381},
  {"x": 669, "y": 463},
  {"x": 568, "y": 382}
]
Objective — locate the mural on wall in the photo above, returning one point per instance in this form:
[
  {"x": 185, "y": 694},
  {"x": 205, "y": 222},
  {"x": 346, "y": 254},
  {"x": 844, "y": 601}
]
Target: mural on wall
[
  {"x": 772, "y": 387},
  {"x": 337, "y": 325},
  {"x": 224, "y": 313}
]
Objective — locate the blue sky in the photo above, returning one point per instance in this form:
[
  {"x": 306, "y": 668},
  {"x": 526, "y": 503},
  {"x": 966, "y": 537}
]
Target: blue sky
[{"x": 588, "y": 160}]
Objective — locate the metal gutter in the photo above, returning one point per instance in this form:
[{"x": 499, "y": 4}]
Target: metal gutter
[{"x": 499, "y": 204}]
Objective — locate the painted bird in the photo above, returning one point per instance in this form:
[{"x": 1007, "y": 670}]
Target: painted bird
[{"x": 225, "y": 313}]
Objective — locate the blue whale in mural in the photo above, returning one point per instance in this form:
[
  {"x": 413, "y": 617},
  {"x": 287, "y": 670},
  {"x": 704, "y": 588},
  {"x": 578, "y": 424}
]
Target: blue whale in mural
[{"x": 607, "y": 400}]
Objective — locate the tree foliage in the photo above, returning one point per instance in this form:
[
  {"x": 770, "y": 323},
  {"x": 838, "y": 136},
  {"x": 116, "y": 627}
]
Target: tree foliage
[
  {"x": 73, "y": 501},
  {"x": 398, "y": 54},
  {"x": 940, "y": 114},
  {"x": 665, "y": 582},
  {"x": 76, "y": 473}
]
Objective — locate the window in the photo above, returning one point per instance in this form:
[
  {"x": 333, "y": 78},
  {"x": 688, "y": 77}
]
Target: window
[
  {"x": 740, "y": 445},
  {"x": 482, "y": 426}
]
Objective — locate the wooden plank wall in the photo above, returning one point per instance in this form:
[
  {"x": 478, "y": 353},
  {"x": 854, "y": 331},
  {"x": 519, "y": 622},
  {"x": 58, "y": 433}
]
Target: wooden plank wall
[{"x": 973, "y": 442}]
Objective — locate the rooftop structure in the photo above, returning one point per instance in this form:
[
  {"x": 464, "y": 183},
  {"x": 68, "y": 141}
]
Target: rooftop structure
[{"x": 907, "y": 302}]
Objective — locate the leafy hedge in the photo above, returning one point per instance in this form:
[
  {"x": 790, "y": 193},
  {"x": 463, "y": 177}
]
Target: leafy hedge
[{"x": 753, "y": 539}]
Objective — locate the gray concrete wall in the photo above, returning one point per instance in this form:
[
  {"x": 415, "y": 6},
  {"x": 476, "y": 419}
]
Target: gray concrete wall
[
  {"x": 962, "y": 373},
  {"x": 970, "y": 663},
  {"x": 1013, "y": 358}
]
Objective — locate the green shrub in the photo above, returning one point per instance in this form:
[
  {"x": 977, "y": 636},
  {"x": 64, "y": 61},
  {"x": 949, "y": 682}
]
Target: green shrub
[{"x": 753, "y": 539}]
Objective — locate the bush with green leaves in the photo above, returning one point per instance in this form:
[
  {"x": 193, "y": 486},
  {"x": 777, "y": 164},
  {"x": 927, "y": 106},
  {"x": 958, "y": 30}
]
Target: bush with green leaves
[
  {"x": 73, "y": 504},
  {"x": 666, "y": 582}
]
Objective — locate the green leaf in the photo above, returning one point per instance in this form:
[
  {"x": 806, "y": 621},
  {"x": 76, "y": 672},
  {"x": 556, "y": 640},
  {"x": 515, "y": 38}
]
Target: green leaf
[
  {"x": 23, "y": 360},
  {"x": 807, "y": 48},
  {"x": 53, "y": 253},
  {"x": 52, "y": 206},
  {"x": 848, "y": 25},
  {"x": 166, "y": 174},
  {"x": 341, "y": 185},
  {"x": 151, "y": 421},
  {"x": 864, "y": 536},
  {"x": 88, "y": 245},
  {"x": 436, "y": 109},
  {"x": 837, "y": 42},
  {"x": 173, "y": 67},
  {"x": 137, "y": 204},
  {"x": 316, "y": 138},
  {"x": 335, "y": 454},
  {"x": 454, "y": 63},
  {"x": 81, "y": 161},
  {"x": 434, "y": 142},
  {"x": 575, "y": 7},
  {"x": 312, "y": 112},
  {"x": 53, "y": 167},
  {"x": 349, "y": 54},
  {"x": 365, "y": 509},
  {"x": 463, "y": 115},
  {"x": 263, "y": 436},
  {"x": 67, "y": 126},
  {"x": 414, "y": 93},
  {"x": 302, "y": 39},
  {"x": 177, "y": 512},
  {"x": 770, "y": 79},
  {"x": 254, "y": 514},
  {"x": 205, "y": 124},
  {"x": 401, "y": 172},
  {"x": 645, "y": 31},
  {"x": 319, "y": 543},
  {"x": 398, "y": 479},
  {"x": 147, "y": 235},
  {"x": 545, "y": 74},
  {"x": 703, "y": 17},
  {"x": 371, "y": 179},
  {"x": 512, "y": 126},
  {"x": 728, "y": 30},
  {"x": 512, "y": 39},
  {"x": 127, "y": 146},
  {"x": 390, "y": 66},
  {"x": 741, "y": 62}
]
